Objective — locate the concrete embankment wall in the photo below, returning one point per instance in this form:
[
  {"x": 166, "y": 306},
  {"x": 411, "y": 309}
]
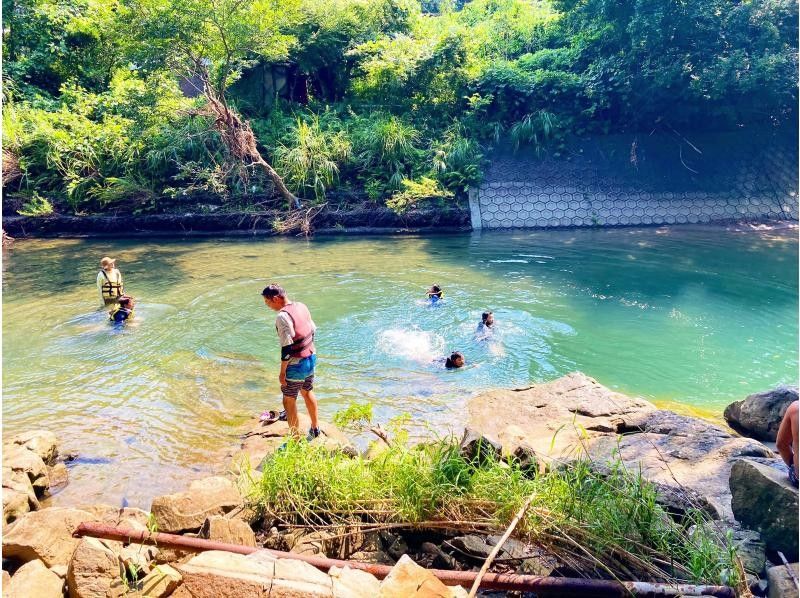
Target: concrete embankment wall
[{"x": 666, "y": 177}]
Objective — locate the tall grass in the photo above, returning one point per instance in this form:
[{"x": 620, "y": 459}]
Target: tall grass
[
  {"x": 309, "y": 163},
  {"x": 600, "y": 524}
]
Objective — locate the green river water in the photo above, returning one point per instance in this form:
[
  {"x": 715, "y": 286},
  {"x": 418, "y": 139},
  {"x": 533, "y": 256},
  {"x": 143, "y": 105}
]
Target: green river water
[{"x": 691, "y": 318}]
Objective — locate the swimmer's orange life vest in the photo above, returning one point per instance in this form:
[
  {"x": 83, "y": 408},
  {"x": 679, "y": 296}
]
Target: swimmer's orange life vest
[
  {"x": 303, "y": 345},
  {"x": 111, "y": 290}
]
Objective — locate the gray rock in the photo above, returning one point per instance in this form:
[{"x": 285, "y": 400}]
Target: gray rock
[
  {"x": 475, "y": 447},
  {"x": 781, "y": 584},
  {"x": 526, "y": 458},
  {"x": 765, "y": 501},
  {"x": 472, "y": 545},
  {"x": 759, "y": 415},
  {"x": 574, "y": 416}
]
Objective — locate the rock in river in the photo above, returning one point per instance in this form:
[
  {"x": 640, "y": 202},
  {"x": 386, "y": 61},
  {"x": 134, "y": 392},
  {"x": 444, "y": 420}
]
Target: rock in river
[{"x": 759, "y": 415}]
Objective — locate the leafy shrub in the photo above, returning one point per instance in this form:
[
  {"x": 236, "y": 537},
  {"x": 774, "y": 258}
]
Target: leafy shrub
[
  {"x": 415, "y": 191},
  {"x": 36, "y": 206}
]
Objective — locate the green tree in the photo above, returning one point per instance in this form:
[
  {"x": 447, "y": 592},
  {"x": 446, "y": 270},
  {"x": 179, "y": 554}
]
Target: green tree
[{"x": 212, "y": 42}]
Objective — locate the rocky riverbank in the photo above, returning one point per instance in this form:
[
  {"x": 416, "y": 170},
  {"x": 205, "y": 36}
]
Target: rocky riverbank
[{"x": 736, "y": 480}]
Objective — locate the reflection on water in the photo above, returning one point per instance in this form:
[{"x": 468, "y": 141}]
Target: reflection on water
[{"x": 687, "y": 317}]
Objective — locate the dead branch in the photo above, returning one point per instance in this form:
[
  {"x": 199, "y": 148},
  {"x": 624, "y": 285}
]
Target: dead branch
[
  {"x": 237, "y": 134},
  {"x": 298, "y": 220},
  {"x": 477, "y": 583}
]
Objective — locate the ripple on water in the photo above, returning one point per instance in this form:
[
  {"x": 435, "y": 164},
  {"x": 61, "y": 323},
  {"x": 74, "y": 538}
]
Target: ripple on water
[{"x": 700, "y": 318}]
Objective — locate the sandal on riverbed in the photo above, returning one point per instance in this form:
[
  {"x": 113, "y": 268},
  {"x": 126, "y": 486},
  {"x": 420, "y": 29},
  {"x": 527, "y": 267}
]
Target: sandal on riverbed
[{"x": 270, "y": 417}]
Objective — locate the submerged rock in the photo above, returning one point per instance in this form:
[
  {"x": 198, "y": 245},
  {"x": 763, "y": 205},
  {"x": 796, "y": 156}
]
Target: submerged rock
[
  {"x": 764, "y": 500},
  {"x": 759, "y": 415}
]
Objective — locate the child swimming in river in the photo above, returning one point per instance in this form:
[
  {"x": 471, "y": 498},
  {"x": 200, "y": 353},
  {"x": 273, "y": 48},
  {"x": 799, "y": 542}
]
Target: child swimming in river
[
  {"x": 123, "y": 311},
  {"x": 455, "y": 361},
  {"x": 486, "y": 325},
  {"x": 435, "y": 294}
]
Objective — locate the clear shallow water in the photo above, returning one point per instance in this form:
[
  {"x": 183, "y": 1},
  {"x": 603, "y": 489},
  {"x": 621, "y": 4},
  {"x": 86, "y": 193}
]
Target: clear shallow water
[{"x": 693, "y": 318}]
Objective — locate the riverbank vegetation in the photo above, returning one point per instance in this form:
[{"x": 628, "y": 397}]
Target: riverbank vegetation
[
  {"x": 146, "y": 106},
  {"x": 595, "y": 522}
]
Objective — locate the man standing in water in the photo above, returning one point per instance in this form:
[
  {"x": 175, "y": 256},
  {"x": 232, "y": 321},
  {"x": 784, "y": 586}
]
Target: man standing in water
[{"x": 296, "y": 336}]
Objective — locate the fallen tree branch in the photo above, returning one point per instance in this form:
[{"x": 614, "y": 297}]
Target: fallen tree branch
[{"x": 477, "y": 583}]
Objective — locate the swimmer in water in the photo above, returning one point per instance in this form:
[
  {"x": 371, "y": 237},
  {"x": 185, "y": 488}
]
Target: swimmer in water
[
  {"x": 455, "y": 361},
  {"x": 435, "y": 294},
  {"x": 123, "y": 311},
  {"x": 486, "y": 325}
]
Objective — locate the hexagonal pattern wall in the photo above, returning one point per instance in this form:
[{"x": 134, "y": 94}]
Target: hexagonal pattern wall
[{"x": 642, "y": 180}]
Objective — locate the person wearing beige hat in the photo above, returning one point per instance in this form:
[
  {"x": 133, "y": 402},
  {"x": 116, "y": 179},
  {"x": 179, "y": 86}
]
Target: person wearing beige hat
[{"x": 109, "y": 282}]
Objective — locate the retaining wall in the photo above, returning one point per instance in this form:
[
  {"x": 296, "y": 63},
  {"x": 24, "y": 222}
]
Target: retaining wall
[{"x": 663, "y": 178}]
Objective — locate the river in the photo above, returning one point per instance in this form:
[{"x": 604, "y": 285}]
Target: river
[{"x": 689, "y": 317}]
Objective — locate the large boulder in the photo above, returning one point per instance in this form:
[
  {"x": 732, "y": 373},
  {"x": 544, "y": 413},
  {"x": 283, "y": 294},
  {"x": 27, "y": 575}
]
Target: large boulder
[
  {"x": 41, "y": 442},
  {"x": 45, "y": 535},
  {"x": 759, "y": 415},
  {"x": 765, "y": 501},
  {"x": 781, "y": 584},
  {"x": 552, "y": 417},
  {"x": 95, "y": 571},
  {"x": 575, "y": 415},
  {"x": 35, "y": 579},
  {"x": 186, "y": 511}
]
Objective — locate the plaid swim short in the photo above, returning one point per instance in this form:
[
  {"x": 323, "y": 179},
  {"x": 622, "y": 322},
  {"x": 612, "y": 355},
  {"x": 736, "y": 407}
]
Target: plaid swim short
[{"x": 292, "y": 387}]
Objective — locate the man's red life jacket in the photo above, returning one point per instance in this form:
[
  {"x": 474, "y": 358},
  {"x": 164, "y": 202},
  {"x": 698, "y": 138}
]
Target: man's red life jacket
[{"x": 303, "y": 338}]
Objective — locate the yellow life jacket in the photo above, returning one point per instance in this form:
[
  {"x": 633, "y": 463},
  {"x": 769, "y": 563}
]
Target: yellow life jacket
[{"x": 111, "y": 290}]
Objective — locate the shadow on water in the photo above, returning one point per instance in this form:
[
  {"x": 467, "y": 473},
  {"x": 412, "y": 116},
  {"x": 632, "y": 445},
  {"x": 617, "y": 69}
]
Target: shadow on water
[{"x": 69, "y": 266}]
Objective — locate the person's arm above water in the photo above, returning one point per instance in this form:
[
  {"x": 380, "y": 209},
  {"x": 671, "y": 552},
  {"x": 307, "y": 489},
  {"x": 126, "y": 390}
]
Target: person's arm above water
[{"x": 786, "y": 441}]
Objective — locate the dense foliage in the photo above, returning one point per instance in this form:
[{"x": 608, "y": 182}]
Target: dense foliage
[{"x": 387, "y": 101}]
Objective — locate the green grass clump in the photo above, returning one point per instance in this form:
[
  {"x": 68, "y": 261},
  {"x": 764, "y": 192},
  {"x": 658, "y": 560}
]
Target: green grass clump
[{"x": 604, "y": 523}]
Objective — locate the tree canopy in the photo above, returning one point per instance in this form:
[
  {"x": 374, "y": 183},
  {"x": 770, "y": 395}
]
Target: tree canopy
[{"x": 386, "y": 101}]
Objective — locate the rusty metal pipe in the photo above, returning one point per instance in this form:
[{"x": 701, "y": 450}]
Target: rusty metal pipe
[{"x": 560, "y": 586}]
